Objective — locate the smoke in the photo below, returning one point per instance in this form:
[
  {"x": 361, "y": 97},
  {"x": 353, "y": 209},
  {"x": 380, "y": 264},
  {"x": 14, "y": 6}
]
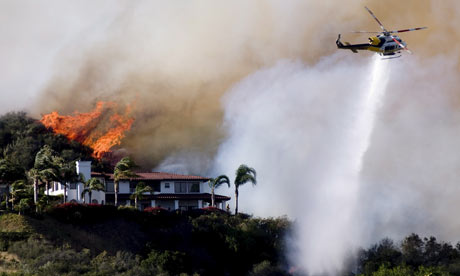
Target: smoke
[
  {"x": 350, "y": 166},
  {"x": 214, "y": 84},
  {"x": 33, "y": 34},
  {"x": 175, "y": 60},
  {"x": 308, "y": 154}
]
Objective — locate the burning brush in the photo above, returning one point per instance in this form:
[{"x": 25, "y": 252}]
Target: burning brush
[{"x": 100, "y": 129}]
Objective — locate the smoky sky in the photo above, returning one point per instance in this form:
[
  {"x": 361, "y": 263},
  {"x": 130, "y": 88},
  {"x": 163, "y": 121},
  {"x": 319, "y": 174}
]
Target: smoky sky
[{"x": 173, "y": 61}]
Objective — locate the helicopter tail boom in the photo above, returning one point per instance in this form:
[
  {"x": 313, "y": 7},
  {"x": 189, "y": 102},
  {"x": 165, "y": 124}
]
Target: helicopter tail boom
[{"x": 352, "y": 47}]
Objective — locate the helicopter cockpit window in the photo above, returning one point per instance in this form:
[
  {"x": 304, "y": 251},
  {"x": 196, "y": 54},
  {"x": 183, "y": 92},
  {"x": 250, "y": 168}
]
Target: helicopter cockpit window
[{"x": 389, "y": 48}]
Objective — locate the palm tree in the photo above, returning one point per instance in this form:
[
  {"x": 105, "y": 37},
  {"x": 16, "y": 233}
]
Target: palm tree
[
  {"x": 20, "y": 189},
  {"x": 244, "y": 174},
  {"x": 138, "y": 194},
  {"x": 9, "y": 172},
  {"x": 67, "y": 174},
  {"x": 35, "y": 176},
  {"x": 46, "y": 168},
  {"x": 92, "y": 184},
  {"x": 123, "y": 169},
  {"x": 214, "y": 183}
]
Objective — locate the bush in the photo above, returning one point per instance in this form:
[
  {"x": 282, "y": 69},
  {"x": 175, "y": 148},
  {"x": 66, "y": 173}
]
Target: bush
[
  {"x": 211, "y": 209},
  {"x": 24, "y": 206},
  {"x": 266, "y": 269},
  {"x": 172, "y": 262},
  {"x": 82, "y": 213},
  {"x": 156, "y": 210}
]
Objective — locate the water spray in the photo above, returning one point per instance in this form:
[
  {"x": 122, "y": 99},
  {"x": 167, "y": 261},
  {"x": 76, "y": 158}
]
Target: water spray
[
  {"x": 338, "y": 191},
  {"x": 307, "y": 137}
]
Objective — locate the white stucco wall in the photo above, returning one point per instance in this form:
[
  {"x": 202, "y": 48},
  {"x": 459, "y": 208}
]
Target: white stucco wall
[
  {"x": 71, "y": 194},
  {"x": 167, "y": 190},
  {"x": 96, "y": 195},
  {"x": 123, "y": 187},
  {"x": 84, "y": 167}
]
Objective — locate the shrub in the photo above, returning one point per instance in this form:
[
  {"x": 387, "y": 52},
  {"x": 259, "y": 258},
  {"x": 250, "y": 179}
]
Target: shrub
[
  {"x": 173, "y": 262},
  {"x": 82, "y": 213},
  {"x": 266, "y": 269},
  {"x": 211, "y": 209},
  {"x": 156, "y": 210},
  {"x": 24, "y": 206}
]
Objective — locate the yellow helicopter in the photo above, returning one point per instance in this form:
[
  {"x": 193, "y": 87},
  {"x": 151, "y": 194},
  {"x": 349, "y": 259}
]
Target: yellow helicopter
[{"x": 384, "y": 43}]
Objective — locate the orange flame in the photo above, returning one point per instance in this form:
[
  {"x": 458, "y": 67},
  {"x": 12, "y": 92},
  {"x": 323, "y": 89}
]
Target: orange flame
[{"x": 100, "y": 129}]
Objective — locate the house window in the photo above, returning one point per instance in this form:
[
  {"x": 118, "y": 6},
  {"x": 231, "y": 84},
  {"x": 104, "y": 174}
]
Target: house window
[
  {"x": 156, "y": 187},
  {"x": 132, "y": 187},
  {"x": 194, "y": 187},
  {"x": 109, "y": 187},
  {"x": 73, "y": 186},
  {"x": 187, "y": 205},
  {"x": 186, "y": 187},
  {"x": 180, "y": 187},
  {"x": 166, "y": 185}
]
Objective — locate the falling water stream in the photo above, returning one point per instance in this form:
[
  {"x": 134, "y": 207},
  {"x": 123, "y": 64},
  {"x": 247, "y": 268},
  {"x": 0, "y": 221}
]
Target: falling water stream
[
  {"x": 339, "y": 187},
  {"x": 371, "y": 101}
]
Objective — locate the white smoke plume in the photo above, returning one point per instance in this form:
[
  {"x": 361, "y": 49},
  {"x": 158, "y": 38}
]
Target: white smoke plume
[{"x": 304, "y": 128}]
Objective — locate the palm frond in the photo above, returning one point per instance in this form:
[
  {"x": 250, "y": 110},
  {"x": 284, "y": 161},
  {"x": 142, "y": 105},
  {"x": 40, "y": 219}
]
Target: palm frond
[
  {"x": 245, "y": 174},
  {"x": 218, "y": 181}
]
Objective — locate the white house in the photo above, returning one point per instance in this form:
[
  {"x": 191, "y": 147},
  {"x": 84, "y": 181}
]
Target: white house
[{"x": 170, "y": 191}]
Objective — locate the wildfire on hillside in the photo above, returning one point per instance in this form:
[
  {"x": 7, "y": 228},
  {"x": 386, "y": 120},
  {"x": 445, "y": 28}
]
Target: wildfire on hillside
[{"x": 101, "y": 129}]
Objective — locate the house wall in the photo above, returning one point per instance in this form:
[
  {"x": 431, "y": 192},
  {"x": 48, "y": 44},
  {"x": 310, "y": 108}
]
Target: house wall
[
  {"x": 123, "y": 187},
  {"x": 165, "y": 189},
  {"x": 71, "y": 195},
  {"x": 84, "y": 167},
  {"x": 96, "y": 197}
]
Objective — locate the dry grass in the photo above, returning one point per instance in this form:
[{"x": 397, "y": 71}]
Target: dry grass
[{"x": 14, "y": 223}]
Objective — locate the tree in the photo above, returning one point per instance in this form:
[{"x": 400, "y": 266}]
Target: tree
[
  {"x": 123, "y": 170},
  {"x": 244, "y": 174},
  {"x": 412, "y": 250},
  {"x": 46, "y": 168},
  {"x": 138, "y": 194},
  {"x": 90, "y": 185},
  {"x": 24, "y": 205},
  {"x": 9, "y": 172},
  {"x": 214, "y": 183},
  {"x": 67, "y": 174},
  {"x": 35, "y": 176},
  {"x": 20, "y": 190}
]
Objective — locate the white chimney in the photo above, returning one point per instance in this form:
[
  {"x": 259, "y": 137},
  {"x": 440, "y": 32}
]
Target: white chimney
[{"x": 84, "y": 167}]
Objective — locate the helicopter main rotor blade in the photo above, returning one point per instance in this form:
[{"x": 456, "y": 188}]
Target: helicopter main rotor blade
[
  {"x": 375, "y": 17},
  {"x": 407, "y": 30},
  {"x": 402, "y": 45},
  {"x": 365, "y": 32}
]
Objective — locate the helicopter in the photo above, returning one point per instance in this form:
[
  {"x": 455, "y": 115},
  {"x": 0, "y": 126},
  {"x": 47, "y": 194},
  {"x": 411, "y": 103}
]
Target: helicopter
[{"x": 384, "y": 43}]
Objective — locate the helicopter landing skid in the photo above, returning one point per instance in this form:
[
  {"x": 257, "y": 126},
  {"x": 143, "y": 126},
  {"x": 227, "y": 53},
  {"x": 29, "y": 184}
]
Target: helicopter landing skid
[{"x": 392, "y": 57}]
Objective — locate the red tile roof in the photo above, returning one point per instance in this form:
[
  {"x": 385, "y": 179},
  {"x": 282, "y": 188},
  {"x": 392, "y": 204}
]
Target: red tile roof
[{"x": 158, "y": 176}]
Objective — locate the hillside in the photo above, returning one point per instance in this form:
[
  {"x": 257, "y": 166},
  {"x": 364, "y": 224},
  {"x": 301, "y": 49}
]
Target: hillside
[{"x": 103, "y": 240}]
